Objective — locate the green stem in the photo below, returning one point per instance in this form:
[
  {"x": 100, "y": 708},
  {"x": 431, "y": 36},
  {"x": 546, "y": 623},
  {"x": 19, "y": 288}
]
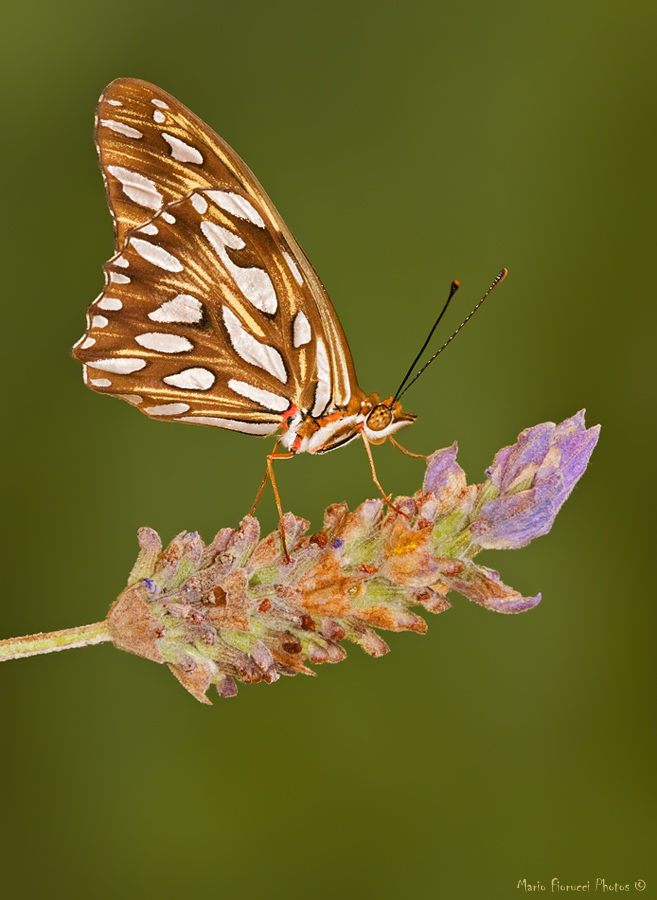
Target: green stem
[{"x": 50, "y": 642}]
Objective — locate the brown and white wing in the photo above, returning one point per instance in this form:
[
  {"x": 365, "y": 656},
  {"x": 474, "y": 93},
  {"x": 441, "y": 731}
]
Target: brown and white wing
[
  {"x": 154, "y": 152},
  {"x": 204, "y": 319}
]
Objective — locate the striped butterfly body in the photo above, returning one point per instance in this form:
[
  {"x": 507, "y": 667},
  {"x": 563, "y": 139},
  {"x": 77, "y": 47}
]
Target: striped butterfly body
[{"x": 211, "y": 313}]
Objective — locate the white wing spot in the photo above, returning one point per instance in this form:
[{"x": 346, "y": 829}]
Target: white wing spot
[
  {"x": 181, "y": 151},
  {"x": 301, "y": 332},
  {"x": 115, "y": 103},
  {"x": 110, "y": 303},
  {"x": 298, "y": 277},
  {"x": 164, "y": 343},
  {"x": 99, "y": 322},
  {"x": 233, "y": 424},
  {"x": 159, "y": 103},
  {"x": 159, "y": 117},
  {"x": 121, "y": 365},
  {"x": 100, "y": 382},
  {"x": 182, "y": 309},
  {"x": 156, "y": 255},
  {"x": 148, "y": 229},
  {"x": 88, "y": 342},
  {"x": 118, "y": 278},
  {"x": 120, "y": 261},
  {"x": 237, "y": 205},
  {"x": 199, "y": 203},
  {"x": 138, "y": 188},
  {"x": 251, "y": 350},
  {"x": 195, "y": 379},
  {"x": 121, "y": 128},
  {"x": 168, "y": 218},
  {"x": 323, "y": 387},
  {"x": 167, "y": 409},
  {"x": 265, "y": 398},
  {"x": 254, "y": 283},
  {"x": 220, "y": 238}
]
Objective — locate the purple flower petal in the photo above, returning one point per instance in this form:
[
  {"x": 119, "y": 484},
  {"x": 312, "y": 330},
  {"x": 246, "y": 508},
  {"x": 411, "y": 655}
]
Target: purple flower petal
[
  {"x": 521, "y": 459},
  {"x": 568, "y": 426},
  {"x": 576, "y": 450},
  {"x": 514, "y": 521},
  {"x": 483, "y": 586},
  {"x": 151, "y": 586},
  {"x": 546, "y": 462},
  {"x": 444, "y": 477}
]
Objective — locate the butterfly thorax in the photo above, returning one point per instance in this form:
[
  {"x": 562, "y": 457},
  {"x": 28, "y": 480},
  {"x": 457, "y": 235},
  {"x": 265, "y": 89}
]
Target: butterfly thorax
[{"x": 368, "y": 416}]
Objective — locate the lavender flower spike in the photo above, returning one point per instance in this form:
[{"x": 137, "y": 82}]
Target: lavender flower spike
[
  {"x": 530, "y": 481},
  {"x": 241, "y": 610}
]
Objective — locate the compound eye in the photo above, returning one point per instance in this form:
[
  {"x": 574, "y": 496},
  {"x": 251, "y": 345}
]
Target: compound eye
[{"x": 379, "y": 418}]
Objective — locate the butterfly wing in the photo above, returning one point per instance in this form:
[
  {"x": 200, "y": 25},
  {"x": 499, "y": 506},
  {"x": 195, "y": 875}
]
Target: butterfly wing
[{"x": 211, "y": 311}]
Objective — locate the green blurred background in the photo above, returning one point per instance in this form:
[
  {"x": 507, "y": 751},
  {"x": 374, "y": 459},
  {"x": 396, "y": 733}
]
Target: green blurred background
[{"x": 405, "y": 145}]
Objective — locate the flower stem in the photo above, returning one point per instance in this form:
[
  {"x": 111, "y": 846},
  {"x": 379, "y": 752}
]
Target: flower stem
[{"x": 50, "y": 642}]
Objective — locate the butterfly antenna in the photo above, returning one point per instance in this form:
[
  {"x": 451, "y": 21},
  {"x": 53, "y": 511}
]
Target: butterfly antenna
[
  {"x": 498, "y": 278},
  {"x": 453, "y": 289}
]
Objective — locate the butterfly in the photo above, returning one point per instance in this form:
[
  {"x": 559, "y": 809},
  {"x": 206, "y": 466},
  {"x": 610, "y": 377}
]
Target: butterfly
[{"x": 211, "y": 313}]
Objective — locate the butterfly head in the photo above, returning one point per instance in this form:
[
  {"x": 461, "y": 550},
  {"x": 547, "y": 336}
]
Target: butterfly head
[{"x": 384, "y": 419}]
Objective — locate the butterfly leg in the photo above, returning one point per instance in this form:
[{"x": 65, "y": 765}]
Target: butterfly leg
[
  {"x": 407, "y": 452},
  {"x": 376, "y": 480},
  {"x": 263, "y": 482},
  {"x": 269, "y": 476},
  {"x": 270, "y": 472},
  {"x": 260, "y": 490}
]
